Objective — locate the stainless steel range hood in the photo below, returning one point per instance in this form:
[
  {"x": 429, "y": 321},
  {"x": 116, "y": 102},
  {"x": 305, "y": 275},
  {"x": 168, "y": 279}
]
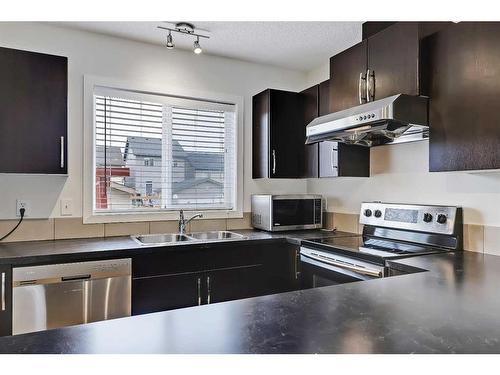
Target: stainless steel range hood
[{"x": 396, "y": 119}]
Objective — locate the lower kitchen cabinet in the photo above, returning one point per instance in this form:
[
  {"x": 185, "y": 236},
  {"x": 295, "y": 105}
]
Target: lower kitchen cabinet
[
  {"x": 184, "y": 278},
  {"x": 235, "y": 283},
  {"x": 167, "y": 292},
  {"x": 5, "y": 300}
]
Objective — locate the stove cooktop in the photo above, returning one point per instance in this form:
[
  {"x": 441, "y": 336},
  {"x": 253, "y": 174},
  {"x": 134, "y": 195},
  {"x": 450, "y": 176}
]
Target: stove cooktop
[{"x": 373, "y": 247}]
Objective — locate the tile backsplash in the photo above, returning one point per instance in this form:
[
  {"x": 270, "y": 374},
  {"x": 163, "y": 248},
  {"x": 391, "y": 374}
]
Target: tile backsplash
[
  {"x": 66, "y": 228},
  {"x": 477, "y": 238}
]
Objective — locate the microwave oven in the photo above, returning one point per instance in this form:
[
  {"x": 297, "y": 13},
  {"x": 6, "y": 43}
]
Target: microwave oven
[{"x": 286, "y": 212}]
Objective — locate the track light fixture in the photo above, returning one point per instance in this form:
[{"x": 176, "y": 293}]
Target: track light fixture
[
  {"x": 170, "y": 42},
  {"x": 186, "y": 29},
  {"x": 197, "y": 48}
]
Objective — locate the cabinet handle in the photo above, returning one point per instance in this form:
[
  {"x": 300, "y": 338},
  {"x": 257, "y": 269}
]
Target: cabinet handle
[
  {"x": 274, "y": 161},
  {"x": 208, "y": 290},
  {"x": 370, "y": 85},
  {"x": 62, "y": 152},
  {"x": 199, "y": 291},
  {"x": 297, "y": 257},
  {"x": 3, "y": 291},
  {"x": 361, "y": 89}
]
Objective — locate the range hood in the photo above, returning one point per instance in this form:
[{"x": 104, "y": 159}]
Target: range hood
[{"x": 396, "y": 119}]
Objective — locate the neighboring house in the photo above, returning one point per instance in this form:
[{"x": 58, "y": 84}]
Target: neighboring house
[
  {"x": 192, "y": 172},
  {"x": 112, "y": 194}
]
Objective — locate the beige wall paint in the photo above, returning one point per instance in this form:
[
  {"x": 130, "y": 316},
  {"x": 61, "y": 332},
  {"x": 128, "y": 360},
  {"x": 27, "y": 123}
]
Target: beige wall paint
[{"x": 124, "y": 60}]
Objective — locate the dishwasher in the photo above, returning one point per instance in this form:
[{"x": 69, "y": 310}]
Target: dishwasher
[{"x": 59, "y": 295}]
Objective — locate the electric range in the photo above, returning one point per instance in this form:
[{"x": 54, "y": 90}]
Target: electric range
[{"x": 390, "y": 231}]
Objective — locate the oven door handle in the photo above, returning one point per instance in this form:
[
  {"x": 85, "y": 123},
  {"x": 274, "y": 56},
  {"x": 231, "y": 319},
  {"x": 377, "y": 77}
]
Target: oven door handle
[{"x": 353, "y": 268}]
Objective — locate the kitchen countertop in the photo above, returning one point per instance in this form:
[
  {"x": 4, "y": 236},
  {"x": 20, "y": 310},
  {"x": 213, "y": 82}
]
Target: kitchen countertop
[
  {"x": 32, "y": 252},
  {"x": 451, "y": 308}
]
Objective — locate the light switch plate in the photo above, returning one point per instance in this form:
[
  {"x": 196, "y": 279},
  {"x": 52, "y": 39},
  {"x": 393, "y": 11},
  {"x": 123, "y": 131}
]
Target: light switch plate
[{"x": 66, "y": 207}]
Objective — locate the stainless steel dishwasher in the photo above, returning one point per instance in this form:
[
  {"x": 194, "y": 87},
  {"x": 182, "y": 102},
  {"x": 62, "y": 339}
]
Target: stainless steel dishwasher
[{"x": 58, "y": 295}]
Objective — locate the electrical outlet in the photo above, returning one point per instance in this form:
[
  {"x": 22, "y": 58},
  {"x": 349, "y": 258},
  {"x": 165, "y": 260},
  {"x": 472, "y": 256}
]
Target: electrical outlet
[
  {"x": 66, "y": 207},
  {"x": 21, "y": 203}
]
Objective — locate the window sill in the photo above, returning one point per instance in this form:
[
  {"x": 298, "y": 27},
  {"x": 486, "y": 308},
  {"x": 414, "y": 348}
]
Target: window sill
[{"x": 157, "y": 216}]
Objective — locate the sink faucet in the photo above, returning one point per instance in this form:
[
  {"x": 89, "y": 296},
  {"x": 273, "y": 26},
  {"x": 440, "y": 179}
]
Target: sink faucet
[{"x": 183, "y": 222}]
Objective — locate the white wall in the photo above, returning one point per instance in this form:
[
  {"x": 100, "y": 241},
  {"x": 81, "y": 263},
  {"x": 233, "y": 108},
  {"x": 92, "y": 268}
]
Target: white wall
[
  {"x": 120, "y": 59},
  {"x": 400, "y": 173}
]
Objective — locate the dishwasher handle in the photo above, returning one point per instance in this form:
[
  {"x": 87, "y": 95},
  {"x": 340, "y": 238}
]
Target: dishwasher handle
[{"x": 76, "y": 277}]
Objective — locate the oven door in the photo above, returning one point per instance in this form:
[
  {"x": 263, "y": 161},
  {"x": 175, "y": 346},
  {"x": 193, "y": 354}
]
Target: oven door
[
  {"x": 290, "y": 213},
  {"x": 319, "y": 268}
]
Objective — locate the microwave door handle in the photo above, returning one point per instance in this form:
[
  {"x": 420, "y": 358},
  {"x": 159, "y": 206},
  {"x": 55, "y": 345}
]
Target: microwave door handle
[{"x": 361, "y": 270}]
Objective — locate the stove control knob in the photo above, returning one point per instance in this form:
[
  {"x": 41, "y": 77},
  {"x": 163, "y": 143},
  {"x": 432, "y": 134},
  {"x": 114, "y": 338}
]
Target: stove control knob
[
  {"x": 427, "y": 217},
  {"x": 378, "y": 213},
  {"x": 441, "y": 219},
  {"x": 368, "y": 212}
]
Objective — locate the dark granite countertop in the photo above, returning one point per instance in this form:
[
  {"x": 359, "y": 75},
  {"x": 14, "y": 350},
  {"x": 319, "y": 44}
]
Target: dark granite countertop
[
  {"x": 32, "y": 252},
  {"x": 451, "y": 308}
]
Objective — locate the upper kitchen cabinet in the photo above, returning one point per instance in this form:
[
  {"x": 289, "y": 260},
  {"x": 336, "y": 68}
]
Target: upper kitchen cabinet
[
  {"x": 33, "y": 112},
  {"x": 278, "y": 134},
  {"x": 311, "y": 98},
  {"x": 464, "y": 86},
  {"x": 385, "y": 64},
  {"x": 347, "y": 75},
  {"x": 393, "y": 58},
  {"x": 330, "y": 159}
]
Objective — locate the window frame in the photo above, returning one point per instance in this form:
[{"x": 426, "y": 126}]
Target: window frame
[{"x": 90, "y": 83}]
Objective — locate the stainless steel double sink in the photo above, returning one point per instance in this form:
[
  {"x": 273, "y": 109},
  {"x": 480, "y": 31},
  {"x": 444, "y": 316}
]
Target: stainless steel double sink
[{"x": 175, "y": 238}]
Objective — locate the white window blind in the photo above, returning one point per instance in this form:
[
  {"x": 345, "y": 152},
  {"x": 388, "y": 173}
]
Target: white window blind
[{"x": 155, "y": 152}]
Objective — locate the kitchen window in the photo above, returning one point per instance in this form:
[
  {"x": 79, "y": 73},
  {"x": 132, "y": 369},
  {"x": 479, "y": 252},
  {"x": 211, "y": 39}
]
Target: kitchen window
[{"x": 161, "y": 153}]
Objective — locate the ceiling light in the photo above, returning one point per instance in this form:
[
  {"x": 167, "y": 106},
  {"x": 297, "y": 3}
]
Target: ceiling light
[
  {"x": 170, "y": 42},
  {"x": 197, "y": 48},
  {"x": 187, "y": 29}
]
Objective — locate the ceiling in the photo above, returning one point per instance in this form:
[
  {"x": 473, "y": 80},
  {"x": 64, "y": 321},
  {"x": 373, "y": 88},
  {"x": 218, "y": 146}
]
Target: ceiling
[{"x": 295, "y": 45}]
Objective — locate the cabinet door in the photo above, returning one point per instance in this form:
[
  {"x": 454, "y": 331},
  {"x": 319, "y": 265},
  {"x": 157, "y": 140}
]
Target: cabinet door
[
  {"x": 287, "y": 134},
  {"x": 324, "y": 98},
  {"x": 235, "y": 283},
  {"x": 345, "y": 70},
  {"x": 393, "y": 57},
  {"x": 464, "y": 74},
  {"x": 5, "y": 300},
  {"x": 311, "y": 104},
  {"x": 33, "y": 112},
  {"x": 160, "y": 293},
  {"x": 260, "y": 135}
]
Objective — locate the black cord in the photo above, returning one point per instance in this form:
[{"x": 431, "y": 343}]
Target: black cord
[{"x": 21, "y": 211}]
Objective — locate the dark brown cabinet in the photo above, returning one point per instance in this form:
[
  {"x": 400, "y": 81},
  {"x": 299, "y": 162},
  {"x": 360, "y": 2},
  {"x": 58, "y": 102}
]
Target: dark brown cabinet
[
  {"x": 311, "y": 107},
  {"x": 167, "y": 292},
  {"x": 464, "y": 86},
  {"x": 5, "y": 300},
  {"x": 235, "y": 283},
  {"x": 385, "y": 64},
  {"x": 331, "y": 159},
  {"x": 191, "y": 277},
  {"x": 278, "y": 135},
  {"x": 347, "y": 70},
  {"x": 393, "y": 60},
  {"x": 33, "y": 112},
  {"x": 165, "y": 281}
]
